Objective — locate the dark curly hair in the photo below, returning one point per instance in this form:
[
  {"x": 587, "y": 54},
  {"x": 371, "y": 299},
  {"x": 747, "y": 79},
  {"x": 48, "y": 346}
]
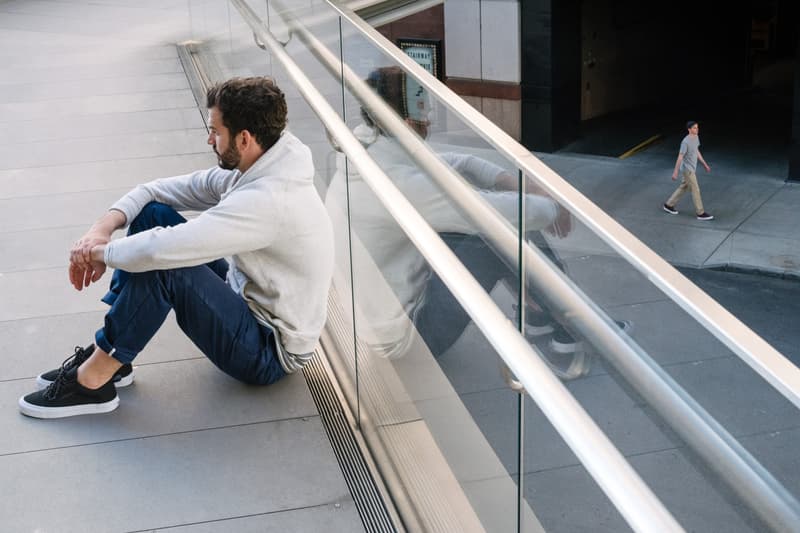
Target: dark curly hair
[
  {"x": 254, "y": 104},
  {"x": 389, "y": 83}
]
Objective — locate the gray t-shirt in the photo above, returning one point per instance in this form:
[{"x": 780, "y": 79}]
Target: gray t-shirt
[{"x": 689, "y": 147}]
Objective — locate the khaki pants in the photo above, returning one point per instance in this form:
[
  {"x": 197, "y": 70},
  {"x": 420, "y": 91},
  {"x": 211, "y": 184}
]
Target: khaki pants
[{"x": 689, "y": 181}]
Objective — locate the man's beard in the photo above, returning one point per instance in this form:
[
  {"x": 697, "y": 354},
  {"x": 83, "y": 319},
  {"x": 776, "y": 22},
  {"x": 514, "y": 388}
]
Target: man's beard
[{"x": 229, "y": 159}]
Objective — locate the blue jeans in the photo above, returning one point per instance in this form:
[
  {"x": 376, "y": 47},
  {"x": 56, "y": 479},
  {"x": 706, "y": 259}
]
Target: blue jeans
[
  {"x": 442, "y": 319},
  {"x": 211, "y": 314}
]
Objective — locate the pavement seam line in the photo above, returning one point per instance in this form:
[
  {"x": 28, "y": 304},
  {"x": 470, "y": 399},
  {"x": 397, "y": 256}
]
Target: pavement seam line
[
  {"x": 735, "y": 228},
  {"x": 236, "y": 517},
  {"x": 301, "y": 418}
]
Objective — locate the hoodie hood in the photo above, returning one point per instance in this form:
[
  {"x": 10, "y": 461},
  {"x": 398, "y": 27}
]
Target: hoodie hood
[{"x": 287, "y": 152}]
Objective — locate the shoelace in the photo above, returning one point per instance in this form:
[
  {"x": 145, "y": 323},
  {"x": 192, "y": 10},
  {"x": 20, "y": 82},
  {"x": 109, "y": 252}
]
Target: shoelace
[
  {"x": 52, "y": 390},
  {"x": 77, "y": 357}
]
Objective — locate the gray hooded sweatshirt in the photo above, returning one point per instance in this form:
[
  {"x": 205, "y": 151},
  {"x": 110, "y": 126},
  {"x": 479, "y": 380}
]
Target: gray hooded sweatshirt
[{"x": 271, "y": 225}]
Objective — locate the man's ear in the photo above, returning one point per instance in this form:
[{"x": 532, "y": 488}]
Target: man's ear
[{"x": 246, "y": 139}]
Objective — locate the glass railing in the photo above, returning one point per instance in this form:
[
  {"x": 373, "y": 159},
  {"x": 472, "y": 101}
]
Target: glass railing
[{"x": 702, "y": 409}]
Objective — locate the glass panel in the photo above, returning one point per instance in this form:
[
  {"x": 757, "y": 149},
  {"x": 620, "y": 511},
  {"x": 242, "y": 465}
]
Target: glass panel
[
  {"x": 611, "y": 388},
  {"x": 445, "y": 378},
  {"x": 428, "y": 379},
  {"x": 227, "y": 48},
  {"x": 425, "y": 374}
]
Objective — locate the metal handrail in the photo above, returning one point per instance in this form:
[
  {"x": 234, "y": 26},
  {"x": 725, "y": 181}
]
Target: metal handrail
[
  {"x": 632, "y": 497},
  {"x": 752, "y": 349},
  {"x": 764, "y": 494}
]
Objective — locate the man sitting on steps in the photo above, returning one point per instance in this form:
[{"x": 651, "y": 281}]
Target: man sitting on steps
[{"x": 257, "y": 317}]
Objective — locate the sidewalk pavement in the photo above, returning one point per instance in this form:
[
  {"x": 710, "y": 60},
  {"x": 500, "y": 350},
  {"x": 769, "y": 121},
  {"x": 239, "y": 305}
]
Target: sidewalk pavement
[
  {"x": 756, "y": 211},
  {"x": 93, "y": 100}
]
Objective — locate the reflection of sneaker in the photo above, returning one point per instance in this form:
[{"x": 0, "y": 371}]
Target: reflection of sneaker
[
  {"x": 568, "y": 366},
  {"x": 669, "y": 209},
  {"x": 567, "y": 357},
  {"x": 537, "y": 324},
  {"x": 563, "y": 343},
  {"x": 66, "y": 397},
  {"x": 122, "y": 378}
]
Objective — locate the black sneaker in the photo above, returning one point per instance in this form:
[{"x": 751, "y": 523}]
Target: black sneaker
[
  {"x": 564, "y": 343},
  {"x": 122, "y": 378},
  {"x": 567, "y": 357},
  {"x": 705, "y": 216},
  {"x": 537, "y": 324},
  {"x": 66, "y": 397},
  {"x": 670, "y": 210}
]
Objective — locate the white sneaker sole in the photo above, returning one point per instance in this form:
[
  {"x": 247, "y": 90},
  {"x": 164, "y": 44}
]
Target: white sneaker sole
[
  {"x": 42, "y": 383},
  {"x": 37, "y": 411},
  {"x": 538, "y": 331},
  {"x": 564, "y": 348},
  {"x": 579, "y": 366}
]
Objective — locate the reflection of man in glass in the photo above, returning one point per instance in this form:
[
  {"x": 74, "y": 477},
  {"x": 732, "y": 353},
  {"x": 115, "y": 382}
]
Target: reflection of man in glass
[{"x": 396, "y": 291}]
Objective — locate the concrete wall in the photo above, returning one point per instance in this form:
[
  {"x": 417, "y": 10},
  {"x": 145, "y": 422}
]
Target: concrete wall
[
  {"x": 482, "y": 39},
  {"x": 550, "y": 62},
  {"x": 482, "y": 45},
  {"x": 428, "y": 24},
  {"x": 794, "y": 145},
  {"x": 539, "y": 68}
]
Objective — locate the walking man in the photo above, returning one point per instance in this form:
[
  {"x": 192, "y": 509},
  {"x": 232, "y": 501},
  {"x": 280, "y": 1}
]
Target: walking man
[
  {"x": 248, "y": 277},
  {"x": 688, "y": 156}
]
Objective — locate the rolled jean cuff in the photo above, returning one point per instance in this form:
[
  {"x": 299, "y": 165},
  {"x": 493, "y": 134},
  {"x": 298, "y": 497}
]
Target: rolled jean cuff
[
  {"x": 109, "y": 298},
  {"x": 102, "y": 342}
]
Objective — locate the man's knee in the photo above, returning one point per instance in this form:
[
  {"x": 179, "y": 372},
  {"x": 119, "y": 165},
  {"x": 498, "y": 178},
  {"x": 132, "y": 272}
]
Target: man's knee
[
  {"x": 155, "y": 211},
  {"x": 155, "y": 214}
]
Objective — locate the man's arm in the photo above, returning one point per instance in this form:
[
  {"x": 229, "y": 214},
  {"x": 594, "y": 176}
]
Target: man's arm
[
  {"x": 508, "y": 182},
  {"x": 677, "y": 166},
  {"x": 700, "y": 157},
  {"x": 198, "y": 190},
  {"x": 493, "y": 178},
  {"x": 562, "y": 224}
]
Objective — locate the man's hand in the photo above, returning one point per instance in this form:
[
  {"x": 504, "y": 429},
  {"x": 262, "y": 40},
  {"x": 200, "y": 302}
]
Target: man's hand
[
  {"x": 562, "y": 225},
  {"x": 98, "y": 235},
  {"x": 86, "y": 263},
  {"x": 708, "y": 167},
  {"x": 81, "y": 251},
  {"x": 82, "y": 274},
  {"x": 674, "y": 176}
]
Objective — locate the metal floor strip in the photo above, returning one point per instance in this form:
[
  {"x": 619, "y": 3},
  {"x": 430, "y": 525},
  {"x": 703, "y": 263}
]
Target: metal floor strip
[
  {"x": 359, "y": 478},
  {"x": 371, "y": 502}
]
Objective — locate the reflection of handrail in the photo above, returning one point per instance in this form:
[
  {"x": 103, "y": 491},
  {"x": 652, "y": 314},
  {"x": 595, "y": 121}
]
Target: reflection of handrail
[
  {"x": 710, "y": 440},
  {"x": 389, "y": 12},
  {"x": 756, "y": 352},
  {"x": 630, "y": 495}
]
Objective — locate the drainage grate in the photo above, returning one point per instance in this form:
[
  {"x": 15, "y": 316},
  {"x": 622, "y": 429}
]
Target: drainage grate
[
  {"x": 371, "y": 508},
  {"x": 201, "y": 70}
]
